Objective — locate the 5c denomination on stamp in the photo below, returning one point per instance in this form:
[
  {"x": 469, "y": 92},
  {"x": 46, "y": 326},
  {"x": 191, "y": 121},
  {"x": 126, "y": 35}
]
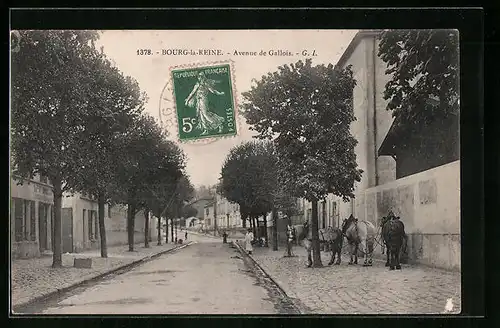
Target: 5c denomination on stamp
[{"x": 204, "y": 101}]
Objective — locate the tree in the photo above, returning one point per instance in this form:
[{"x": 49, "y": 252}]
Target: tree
[
  {"x": 308, "y": 111},
  {"x": 247, "y": 180},
  {"x": 423, "y": 90},
  {"x": 145, "y": 157},
  {"x": 115, "y": 101},
  {"x": 422, "y": 64},
  {"x": 52, "y": 78},
  {"x": 183, "y": 193},
  {"x": 189, "y": 211}
]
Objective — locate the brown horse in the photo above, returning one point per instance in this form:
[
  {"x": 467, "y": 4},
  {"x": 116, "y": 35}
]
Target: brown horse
[
  {"x": 331, "y": 236},
  {"x": 394, "y": 237},
  {"x": 359, "y": 233}
]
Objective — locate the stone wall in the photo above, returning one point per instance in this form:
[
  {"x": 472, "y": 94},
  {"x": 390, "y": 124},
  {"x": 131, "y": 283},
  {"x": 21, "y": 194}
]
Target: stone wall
[{"x": 429, "y": 205}]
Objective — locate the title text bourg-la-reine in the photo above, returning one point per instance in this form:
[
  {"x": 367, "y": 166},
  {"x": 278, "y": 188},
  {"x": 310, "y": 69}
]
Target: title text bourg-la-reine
[{"x": 218, "y": 52}]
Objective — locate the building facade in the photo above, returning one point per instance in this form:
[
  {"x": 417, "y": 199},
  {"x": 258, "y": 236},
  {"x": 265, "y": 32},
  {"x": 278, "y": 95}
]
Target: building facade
[
  {"x": 209, "y": 216},
  {"x": 80, "y": 224},
  {"x": 31, "y": 216},
  {"x": 425, "y": 193},
  {"x": 228, "y": 214}
]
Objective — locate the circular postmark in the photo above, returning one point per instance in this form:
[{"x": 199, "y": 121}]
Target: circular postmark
[
  {"x": 15, "y": 41},
  {"x": 198, "y": 103}
]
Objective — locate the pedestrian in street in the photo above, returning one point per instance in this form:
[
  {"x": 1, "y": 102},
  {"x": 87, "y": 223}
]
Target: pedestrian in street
[
  {"x": 186, "y": 235},
  {"x": 248, "y": 241}
]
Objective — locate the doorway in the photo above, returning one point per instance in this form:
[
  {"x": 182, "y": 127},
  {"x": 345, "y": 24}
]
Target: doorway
[
  {"x": 67, "y": 230},
  {"x": 42, "y": 226}
]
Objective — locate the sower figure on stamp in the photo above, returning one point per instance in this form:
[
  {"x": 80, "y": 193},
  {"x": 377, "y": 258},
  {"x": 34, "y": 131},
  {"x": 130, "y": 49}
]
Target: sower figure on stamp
[{"x": 198, "y": 98}]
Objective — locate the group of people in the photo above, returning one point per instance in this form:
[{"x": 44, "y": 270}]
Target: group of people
[{"x": 249, "y": 239}]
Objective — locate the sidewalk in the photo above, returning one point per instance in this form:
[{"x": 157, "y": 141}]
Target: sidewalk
[
  {"x": 355, "y": 289},
  {"x": 34, "y": 278}
]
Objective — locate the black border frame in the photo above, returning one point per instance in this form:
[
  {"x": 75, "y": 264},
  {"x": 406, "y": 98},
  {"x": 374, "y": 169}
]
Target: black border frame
[{"x": 468, "y": 21}]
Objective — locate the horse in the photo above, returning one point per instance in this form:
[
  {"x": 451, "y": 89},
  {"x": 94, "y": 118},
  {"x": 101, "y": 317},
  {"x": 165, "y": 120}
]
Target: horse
[
  {"x": 359, "y": 233},
  {"x": 394, "y": 238},
  {"x": 331, "y": 236}
]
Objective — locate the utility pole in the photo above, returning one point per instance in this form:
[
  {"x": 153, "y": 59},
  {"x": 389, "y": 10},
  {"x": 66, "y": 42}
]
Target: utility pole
[{"x": 227, "y": 220}]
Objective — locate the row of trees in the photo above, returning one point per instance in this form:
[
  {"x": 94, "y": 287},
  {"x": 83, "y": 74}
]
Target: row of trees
[
  {"x": 304, "y": 113},
  {"x": 79, "y": 121}
]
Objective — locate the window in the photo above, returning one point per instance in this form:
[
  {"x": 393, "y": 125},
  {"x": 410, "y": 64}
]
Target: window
[
  {"x": 207, "y": 211},
  {"x": 83, "y": 220},
  {"x": 26, "y": 235},
  {"x": 96, "y": 223},
  {"x": 333, "y": 210},
  {"x": 32, "y": 221},
  {"x": 18, "y": 218},
  {"x": 324, "y": 214},
  {"x": 91, "y": 232}
]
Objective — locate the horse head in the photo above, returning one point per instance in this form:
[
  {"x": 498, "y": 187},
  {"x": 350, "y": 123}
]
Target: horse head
[{"x": 346, "y": 223}]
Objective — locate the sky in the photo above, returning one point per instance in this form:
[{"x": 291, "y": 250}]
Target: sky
[{"x": 152, "y": 72}]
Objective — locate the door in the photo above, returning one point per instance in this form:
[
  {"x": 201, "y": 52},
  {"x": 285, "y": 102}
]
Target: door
[
  {"x": 67, "y": 230},
  {"x": 42, "y": 226},
  {"x": 323, "y": 210}
]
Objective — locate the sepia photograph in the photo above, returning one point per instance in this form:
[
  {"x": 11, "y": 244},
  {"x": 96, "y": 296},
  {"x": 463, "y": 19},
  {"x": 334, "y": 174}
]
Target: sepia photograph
[{"x": 250, "y": 172}]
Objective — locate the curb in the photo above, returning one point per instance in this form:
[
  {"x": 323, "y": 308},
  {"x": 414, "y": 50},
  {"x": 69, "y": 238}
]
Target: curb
[
  {"x": 95, "y": 278},
  {"x": 265, "y": 274}
]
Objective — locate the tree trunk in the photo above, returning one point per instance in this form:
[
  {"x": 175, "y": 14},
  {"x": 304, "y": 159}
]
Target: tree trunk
[
  {"x": 159, "y": 230},
  {"x": 275, "y": 229},
  {"x": 146, "y": 228},
  {"x": 315, "y": 236},
  {"x": 256, "y": 227},
  {"x": 102, "y": 225},
  {"x": 131, "y": 225},
  {"x": 166, "y": 230},
  {"x": 243, "y": 222},
  {"x": 57, "y": 228},
  {"x": 172, "y": 230},
  {"x": 266, "y": 243}
]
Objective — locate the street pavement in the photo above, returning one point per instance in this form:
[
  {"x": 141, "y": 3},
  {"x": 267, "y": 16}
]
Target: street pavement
[
  {"x": 206, "y": 277},
  {"x": 346, "y": 289}
]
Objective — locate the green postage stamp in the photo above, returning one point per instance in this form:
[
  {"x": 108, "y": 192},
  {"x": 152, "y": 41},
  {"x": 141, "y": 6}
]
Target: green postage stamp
[{"x": 204, "y": 101}]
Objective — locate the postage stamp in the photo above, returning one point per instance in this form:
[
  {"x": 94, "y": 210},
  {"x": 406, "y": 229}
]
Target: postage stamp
[{"x": 204, "y": 101}]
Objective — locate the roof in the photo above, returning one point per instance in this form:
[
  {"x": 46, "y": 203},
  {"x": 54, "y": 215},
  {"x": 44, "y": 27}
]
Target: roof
[
  {"x": 201, "y": 199},
  {"x": 354, "y": 43},
  {"x": 393, "y": 137},
  {"x": 388, "y": 146},
  {"x": 209, "y": 204}
]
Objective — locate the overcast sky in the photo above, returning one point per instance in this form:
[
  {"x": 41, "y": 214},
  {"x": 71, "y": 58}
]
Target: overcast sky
[{"x": 152, "y": 72}]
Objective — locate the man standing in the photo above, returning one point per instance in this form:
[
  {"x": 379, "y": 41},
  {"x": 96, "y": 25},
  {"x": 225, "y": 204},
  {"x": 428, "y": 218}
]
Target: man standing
[
  {"x": 289, "y": 240},
  {"x": 186, "y": 235}
]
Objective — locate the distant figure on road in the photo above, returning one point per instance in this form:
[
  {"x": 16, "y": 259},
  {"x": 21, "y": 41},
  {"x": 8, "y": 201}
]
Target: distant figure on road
[
  {"x": 186, "y": 235},
  {"x": 248, "y": 241}
]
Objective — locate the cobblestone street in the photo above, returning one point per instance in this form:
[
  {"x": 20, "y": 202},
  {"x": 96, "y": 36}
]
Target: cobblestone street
[
  {"x": 356, "y": 289},
  {"x": 207, "y": 277}
]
